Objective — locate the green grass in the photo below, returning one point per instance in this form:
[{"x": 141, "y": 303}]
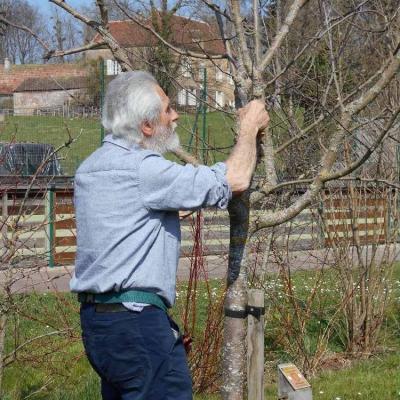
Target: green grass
[
  {"x": 54, "y": 130},
  {"x": 54, "y": 367},
  {"x": 377, "y": 378},
  {"x": 374, "y": 379},
  {"x": 218, "y": 135}
]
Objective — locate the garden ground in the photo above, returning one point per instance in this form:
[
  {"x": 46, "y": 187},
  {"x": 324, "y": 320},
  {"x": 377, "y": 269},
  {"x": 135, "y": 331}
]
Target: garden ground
[{"x": 53, "y": 367}]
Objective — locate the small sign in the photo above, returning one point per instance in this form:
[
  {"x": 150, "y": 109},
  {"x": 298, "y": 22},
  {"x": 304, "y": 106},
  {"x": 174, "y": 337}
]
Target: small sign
[{"x": 294, "y": 376}]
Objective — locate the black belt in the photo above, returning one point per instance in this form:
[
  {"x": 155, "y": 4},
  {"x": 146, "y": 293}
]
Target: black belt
[
  {"x": 113, "y": 307},
  {"x": 108, "y": 308}
]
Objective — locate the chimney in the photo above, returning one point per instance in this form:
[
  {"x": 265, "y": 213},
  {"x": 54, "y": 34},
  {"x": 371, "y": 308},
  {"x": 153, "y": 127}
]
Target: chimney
[{"x": 7, "y": 65}]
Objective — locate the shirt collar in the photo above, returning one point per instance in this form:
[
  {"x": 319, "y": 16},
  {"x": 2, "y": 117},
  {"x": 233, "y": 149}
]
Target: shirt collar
[{"x": 119, "y": 142}]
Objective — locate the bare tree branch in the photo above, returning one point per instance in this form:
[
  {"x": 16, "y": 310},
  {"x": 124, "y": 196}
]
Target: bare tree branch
[
  {"x": 227, "y": 43},
  {"x": 314, "y": 40},
  {"x": 186, "y": 157},
  {"x": 243, "y": 50},
  {"x": 356, "y": 164},
  {"x": 341, "y": 173},
  {"x": 257, "y": 31},
  {"x": 118, "y": 52},
  {"x": 318, "y": 182},
  {"x": 183, "y": 52},
  {"x": 103, "y": 12},
  {"x": 309, "y": 129},
  {"x": 9, "y": 358},
  {"x": 88, "y": 21},
  {"x": 57, "y": 53},
  {"x": 26, "y": 29},
  {"x": 217, "y": 9},
  {"x": 293, "y": 11},
  {"x": 392, "y": 68}
]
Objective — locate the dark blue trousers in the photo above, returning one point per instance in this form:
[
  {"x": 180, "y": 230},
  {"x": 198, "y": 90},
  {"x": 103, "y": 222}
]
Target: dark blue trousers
[{"x": 136, "y": 354}]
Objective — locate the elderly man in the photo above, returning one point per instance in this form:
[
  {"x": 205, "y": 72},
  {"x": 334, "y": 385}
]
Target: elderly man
[{"x": 127, "y": 199}]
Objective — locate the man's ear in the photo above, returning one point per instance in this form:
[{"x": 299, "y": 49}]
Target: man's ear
[{"x": 147, "y": 128}]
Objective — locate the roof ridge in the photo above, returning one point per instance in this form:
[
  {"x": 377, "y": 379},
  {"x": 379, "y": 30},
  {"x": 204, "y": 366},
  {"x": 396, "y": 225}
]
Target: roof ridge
[
  {"x": 174, "y": 15},
  {"x": 183, "y": 32}
]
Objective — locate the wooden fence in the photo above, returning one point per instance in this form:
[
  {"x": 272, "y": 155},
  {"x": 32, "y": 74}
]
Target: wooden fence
[{"x": 41, "y": 227}]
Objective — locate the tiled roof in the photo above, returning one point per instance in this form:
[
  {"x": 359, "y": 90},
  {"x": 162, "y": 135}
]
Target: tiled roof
[
  {"x": 11, "y": 79},
  {"x": 186, "y": 34},
  {"x": 55, "y": 83}
]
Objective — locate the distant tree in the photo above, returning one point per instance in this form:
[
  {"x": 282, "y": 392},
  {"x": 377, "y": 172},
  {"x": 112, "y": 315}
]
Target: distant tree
[
  {"x": 158, "y": 58},
  {"x": 19, "y": 45},
  {"x": 115, "y": 11},
  {"x": 162, "y": 58},
  {"x": 64, "y": 32},
  {"x": 2, "y": 32}
]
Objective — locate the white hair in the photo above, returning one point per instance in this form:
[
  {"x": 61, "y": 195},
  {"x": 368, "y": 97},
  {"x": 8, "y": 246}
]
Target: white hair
[{"x": 131, "y": 99}]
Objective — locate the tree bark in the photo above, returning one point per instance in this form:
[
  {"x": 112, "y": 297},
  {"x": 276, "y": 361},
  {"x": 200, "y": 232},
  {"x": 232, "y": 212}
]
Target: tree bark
[
  {"x": 3, "y": 324},
  {"x": 234, "y": 346}
]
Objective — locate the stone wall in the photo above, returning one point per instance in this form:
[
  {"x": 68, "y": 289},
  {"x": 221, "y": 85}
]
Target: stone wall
[
  {"x": 26, "y": 103},
  {"x": 11, "y": 79}
]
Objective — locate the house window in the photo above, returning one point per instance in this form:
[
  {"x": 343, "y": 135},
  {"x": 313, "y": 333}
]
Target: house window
[
  {"x": 219, "y": 98},
  {"x": 202, "y": 67},
  {"x": 219, "y": 75},
  {"x": 187, "y": 97},
  {"x": 191, "y": 99},
  {"x": 186, "y": 67},
  {"x": 113, "y": 67},
  {"x": 182, "y": 97}
]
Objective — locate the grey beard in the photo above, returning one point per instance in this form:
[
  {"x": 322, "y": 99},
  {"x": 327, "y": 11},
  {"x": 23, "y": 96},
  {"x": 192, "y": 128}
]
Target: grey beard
[{"x": 164, "y": 139}]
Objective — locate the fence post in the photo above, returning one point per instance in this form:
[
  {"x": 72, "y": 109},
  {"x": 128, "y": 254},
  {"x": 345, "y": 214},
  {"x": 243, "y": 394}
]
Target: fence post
[
  {"x": 255, "y": 344},
  {"x": 101, "y": 99},
  {"x": 204, "y": 113},
  {"x": 4, "y": 215},
  {"x": 320, "y": 222},
  {"x": 50, "y": 225}
]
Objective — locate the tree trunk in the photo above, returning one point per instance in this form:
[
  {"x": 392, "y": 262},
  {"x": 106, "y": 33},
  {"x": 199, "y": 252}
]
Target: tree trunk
[
  {"x": 234, "y": 346},
  {"x": 3, "y": 324}
]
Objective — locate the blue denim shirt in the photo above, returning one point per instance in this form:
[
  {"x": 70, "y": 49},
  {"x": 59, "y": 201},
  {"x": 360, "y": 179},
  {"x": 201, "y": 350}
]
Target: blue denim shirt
[{"x": 126, "y": 203}]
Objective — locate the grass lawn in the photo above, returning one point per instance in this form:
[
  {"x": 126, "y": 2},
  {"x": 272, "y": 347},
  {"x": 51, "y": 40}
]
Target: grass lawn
[
  {"x": 375, "y": 379},
  {"x": 54, "y": 368},
  {"x": 54, "y": 130}
]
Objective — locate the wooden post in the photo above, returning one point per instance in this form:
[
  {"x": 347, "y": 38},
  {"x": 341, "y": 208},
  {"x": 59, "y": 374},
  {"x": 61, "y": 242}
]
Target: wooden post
[
  {"x": 4, "y": 215},
  {"x": 50, "y": 194},
  {"x": 255, "y": 344}
]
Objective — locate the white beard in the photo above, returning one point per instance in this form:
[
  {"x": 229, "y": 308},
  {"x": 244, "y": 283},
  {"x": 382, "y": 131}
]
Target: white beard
[{"x": 164, "y": 139}]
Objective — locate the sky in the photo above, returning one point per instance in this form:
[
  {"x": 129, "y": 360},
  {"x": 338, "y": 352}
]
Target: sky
[{"x": 45, "y": 6}]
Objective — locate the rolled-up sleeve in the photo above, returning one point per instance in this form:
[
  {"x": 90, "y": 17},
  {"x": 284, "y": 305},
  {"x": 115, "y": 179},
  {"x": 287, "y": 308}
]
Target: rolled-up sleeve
[{"x": 165, "y": 185}]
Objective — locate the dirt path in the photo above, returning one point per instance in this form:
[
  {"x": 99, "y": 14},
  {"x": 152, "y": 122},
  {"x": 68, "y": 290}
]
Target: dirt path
[{"x": 57, "y": 278}]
